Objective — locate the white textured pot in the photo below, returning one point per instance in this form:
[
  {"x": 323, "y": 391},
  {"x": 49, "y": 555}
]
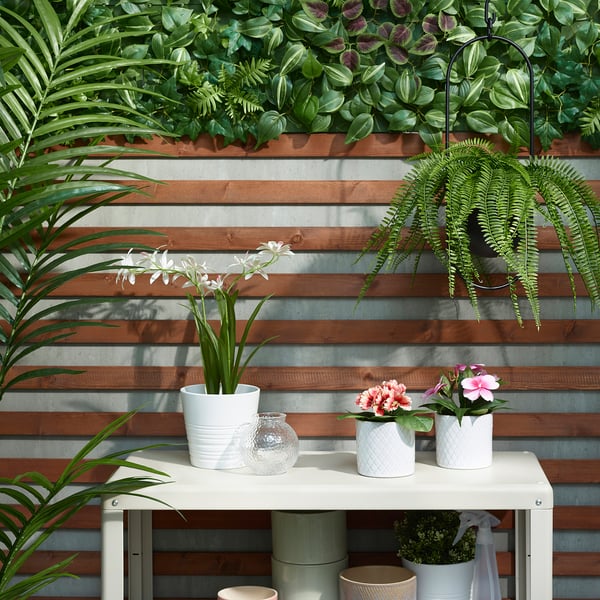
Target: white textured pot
[
  {"x": 467, "y": 445},
  {"x": 384, "y": 449},
  {"x": 213, "y": 424},
  {"x": 443, "y": 582}
]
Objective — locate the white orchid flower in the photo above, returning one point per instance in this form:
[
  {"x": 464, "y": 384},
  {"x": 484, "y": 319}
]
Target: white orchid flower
[{"x": 275, "y": 249}]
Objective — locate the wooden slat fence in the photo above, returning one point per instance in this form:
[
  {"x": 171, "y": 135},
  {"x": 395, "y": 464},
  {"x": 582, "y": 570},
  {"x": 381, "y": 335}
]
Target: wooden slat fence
[{"x": 405, "y": 328}]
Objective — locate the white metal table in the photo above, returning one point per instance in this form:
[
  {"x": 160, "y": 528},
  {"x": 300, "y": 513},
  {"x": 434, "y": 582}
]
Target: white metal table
[{"x": 329, "y": 481}]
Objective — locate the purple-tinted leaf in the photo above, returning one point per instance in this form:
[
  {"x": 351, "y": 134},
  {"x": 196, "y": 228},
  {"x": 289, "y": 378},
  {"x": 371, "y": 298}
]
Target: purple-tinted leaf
[
  {"x": 425, "y": 45},
  {"x": 351, "y": 9},
  {"x": 446, "y": 22},
  {"x": 397, "y": 55},
  {"x": 350, "y": 59},
  {"x": 356, "y": 26},
  {"x": 400, "y": 35},
  {"x": 401, "y": 8},
  {"x": 368, "y": 42},
  {"x": 316, "y": 9},
  {"x": 430, "y": 24},
  {"x": 335, "y": 45},
  {"x": 385, "y": 29},
  {"x": 378, "y": 4}
]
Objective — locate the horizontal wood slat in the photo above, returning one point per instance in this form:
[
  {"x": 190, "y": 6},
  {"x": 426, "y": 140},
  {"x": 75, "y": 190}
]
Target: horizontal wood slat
[
  {"x": 566, "y": 518},
  {"x": 317, "y": 285},
  {"x": 310, "y": 378},
  {"x": 332, "y": 145},
  {"x": 78, "y": 424},
  {"x": 347, "y": 331},
  {"x": 228, "y": 239},
  {"x": 259, "y": 563},
  {"x": 217, "y": 563},
  {"x": 268, "y": 192}
]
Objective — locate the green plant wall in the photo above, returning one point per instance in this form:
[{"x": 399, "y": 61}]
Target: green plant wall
[{"x": 253, "y": 69}]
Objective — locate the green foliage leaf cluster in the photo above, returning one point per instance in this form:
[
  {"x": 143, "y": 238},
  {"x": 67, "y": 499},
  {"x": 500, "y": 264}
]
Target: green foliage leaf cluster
[
  {"x": 353, "y": 66},
  {"x": 471, "y": 181},
  {"x": 427, "y": 537}
]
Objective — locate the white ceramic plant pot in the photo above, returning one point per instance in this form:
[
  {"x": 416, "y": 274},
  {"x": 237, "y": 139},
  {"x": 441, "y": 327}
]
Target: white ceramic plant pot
[
  {"x": 378, "y": 582},
  {"x": 213, "y": 424},
  {"x": 467, "y": 445},
  {"x": 309, "y": 537},
  {"x": 307, "y": 582},
  {"x": 443, "y": 582},
  {"x": 384, "y": 449}
]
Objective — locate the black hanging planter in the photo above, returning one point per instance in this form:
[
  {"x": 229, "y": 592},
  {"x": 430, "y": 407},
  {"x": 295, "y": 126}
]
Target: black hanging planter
[{"x": 478, "y": 246}]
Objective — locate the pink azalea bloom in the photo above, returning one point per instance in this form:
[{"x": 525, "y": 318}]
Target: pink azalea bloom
[{"x": 480, "y": 386}]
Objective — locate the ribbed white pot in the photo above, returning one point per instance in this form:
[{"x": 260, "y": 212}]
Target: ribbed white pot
[
  {"x": 467, "y": 445},
  {"x": 384, "y": 449},
  {"x": 442, "y": 582},
  {"x": 213, "y": 424}
]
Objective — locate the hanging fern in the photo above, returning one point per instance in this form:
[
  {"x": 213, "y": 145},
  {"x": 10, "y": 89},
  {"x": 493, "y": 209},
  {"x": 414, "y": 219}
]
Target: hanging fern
[{"x": 472, "y": 183}]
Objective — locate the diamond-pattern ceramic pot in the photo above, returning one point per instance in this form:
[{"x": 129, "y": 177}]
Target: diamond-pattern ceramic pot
[
  {"x": 467, "y": 445},
  {"x": 384, "y": 449}
]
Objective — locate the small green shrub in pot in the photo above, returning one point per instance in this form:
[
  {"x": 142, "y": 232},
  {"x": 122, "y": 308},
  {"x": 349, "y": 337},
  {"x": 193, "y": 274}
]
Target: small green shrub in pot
[{"x": 427, "y": 537}]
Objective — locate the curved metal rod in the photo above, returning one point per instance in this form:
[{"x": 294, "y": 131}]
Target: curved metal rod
[{"x": 489, "y": 37}]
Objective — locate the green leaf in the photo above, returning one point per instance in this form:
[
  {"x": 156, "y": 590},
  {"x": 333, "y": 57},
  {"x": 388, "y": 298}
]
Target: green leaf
[
  {"x": 407, "y": 86},
  {"x": 175, "y": 16},
  {"x": 292, "y": 59},
  {"x": 270, "y": 126},
  {"x": 403, "y": 120},
  {"x": 482, "y": 121},
  {"x": 503, "y": 97},
  {"x": 311, "y": 67},
  {"x": 564, "y": 13},
  {"x": 257, "y": 27},
  {"x": 331, "y": 101},
  {"x": 338, "y": 75},
  {"x": 373, "y": 73},
  {"x": 303, "y": 22},
  {"x": 360, "y": 128}
]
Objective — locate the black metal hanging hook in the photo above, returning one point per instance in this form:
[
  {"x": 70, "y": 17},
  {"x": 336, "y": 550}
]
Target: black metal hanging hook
[{"x": 489, "y": 37}]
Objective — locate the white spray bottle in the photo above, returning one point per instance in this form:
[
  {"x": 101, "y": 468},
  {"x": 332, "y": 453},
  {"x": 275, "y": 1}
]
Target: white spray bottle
[{"x": 486, "y": 584}]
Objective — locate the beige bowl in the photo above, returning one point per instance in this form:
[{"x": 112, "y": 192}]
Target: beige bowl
[{"x": 378, "y": 582}]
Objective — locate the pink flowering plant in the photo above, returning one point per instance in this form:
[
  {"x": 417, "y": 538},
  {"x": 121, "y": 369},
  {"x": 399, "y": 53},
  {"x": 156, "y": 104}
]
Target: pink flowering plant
[
  {"x": 473, "y": 387},
  {"x": 223, "y": 358},
  {"x": 389, "y": 402}
]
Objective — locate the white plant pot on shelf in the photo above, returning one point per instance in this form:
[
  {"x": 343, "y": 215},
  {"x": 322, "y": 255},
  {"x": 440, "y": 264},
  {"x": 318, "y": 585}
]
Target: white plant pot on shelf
[
  {"x": 442, "y": 582},
  {"x": 213, "y": 424},
  {"x": 467, "y": 445},
  {"x": 384, "y": 449}
]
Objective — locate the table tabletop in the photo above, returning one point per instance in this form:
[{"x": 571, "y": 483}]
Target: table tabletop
[{"x": 329, "y": 481}]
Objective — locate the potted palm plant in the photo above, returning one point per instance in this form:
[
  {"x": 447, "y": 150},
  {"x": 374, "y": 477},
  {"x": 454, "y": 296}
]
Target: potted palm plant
[
  {"x": 55, "y": 107},
  {"x": 429, "y": 548},
  {"x": 471, "y": 183}
]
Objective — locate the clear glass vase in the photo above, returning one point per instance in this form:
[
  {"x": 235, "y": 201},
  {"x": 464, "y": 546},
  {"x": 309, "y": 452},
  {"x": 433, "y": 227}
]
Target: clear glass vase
[{"x": 269, "y": 445}]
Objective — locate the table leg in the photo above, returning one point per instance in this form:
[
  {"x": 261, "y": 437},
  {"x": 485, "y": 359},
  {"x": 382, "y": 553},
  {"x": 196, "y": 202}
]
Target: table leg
[
  {"x": 113, "y": 586},
  {"x": 139, "y": 535},
  {"x": 533, "y": 554}
]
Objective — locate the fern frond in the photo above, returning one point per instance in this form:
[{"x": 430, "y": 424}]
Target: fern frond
[
  {"x": 590, "y": 119},
  {"x": 206, "y": 98}
]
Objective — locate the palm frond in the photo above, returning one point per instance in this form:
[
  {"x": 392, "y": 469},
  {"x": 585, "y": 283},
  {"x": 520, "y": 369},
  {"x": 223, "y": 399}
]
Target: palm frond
[{"x": 40, "y": 512}]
